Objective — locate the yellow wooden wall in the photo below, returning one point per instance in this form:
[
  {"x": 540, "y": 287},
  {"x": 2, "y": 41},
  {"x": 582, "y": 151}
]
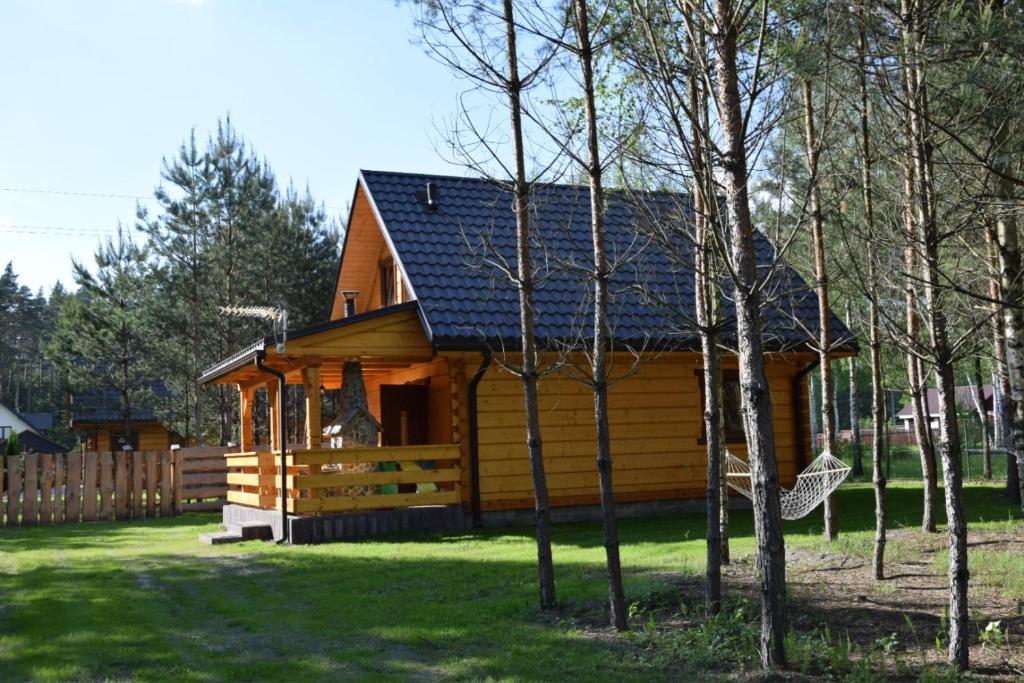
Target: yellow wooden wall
[
  {"x": 655, "y": 417},
  {"x": 153, "y": 436}
]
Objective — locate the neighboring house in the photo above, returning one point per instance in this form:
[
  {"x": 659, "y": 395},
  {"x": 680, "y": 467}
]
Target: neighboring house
[
  {"x": 964, "y": 401},
  {"x": 30, "y": 438},
  {"x": 424, "y": 317},
  {"x": 96, "y": 416}
]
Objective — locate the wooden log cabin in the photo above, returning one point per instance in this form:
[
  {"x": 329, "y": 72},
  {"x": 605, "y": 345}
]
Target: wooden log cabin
[
  {"x": 433, "y": 324},
  {"x": 97, "y": 417}
]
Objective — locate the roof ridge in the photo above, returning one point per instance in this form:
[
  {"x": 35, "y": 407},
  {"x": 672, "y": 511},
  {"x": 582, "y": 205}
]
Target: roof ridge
[{"x": 540, "y": 183}]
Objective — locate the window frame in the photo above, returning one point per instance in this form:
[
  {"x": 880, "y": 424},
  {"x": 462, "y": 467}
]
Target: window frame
[{"x": 731, "y": 437}]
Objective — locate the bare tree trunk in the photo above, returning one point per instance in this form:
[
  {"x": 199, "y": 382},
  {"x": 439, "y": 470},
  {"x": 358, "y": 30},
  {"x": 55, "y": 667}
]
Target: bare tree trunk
[
  {"x": 1011, "y": 278},
  {"x": 824, "y": 341},
  {"x": 1003, "y": 395},
  {"x": 529, "y": 374},
  {"x": 599, "y": 360},
  {"x": 928, "y": 244},
  {"x": 878, "y": 422},
  {"x": 979, "y": 407},
  {"x": 854, "y": 394},
  {"x": 705, "y": 288},
  {"x": 915, "y": 378},
  {"x": 756, "y": 400}
]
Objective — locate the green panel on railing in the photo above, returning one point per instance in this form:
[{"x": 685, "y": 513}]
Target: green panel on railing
[{"x": 389, "y": 489}]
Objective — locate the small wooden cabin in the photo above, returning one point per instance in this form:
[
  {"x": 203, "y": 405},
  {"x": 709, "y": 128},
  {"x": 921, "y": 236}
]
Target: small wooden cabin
[
  {"x": 97, "y": 418},
  {"x": 432, "y": 323}
]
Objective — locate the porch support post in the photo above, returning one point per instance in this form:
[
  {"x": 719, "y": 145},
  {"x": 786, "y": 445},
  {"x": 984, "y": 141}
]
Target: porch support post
[
  {"x": 275, "y": 428},
  {"x": 311, "y": 382},
  {"x": 245, "y": 434}
]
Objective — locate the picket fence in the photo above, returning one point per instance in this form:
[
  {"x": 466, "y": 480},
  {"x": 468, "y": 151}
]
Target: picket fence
[{"x": 43, "y": 488}]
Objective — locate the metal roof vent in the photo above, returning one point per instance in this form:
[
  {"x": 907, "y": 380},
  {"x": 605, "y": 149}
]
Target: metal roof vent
[{"x": 429, "y": 196}]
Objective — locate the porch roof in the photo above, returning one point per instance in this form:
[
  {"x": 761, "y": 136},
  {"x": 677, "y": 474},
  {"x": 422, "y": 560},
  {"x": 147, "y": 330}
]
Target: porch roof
[{"x": 384, "y": 339}]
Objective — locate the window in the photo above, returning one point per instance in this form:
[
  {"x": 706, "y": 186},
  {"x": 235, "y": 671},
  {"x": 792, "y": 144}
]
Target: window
[
  {"x": 388, "y": 283},
  {"x": 5, "y": 432},
  {"x": 118, "y": 442},
  {"x": 732, "y": 411}
]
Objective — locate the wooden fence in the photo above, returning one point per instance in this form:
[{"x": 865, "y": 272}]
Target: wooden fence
[
  {"x": 44, "y": 488},
  {"x": 204, "y": 478},
  {"x": 399, "y": 476}
]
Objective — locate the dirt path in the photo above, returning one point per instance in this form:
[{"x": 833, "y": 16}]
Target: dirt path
[{"x": 839, "y": 591}]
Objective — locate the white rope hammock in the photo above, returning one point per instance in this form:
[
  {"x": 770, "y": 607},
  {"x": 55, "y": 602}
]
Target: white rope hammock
[{"x": 813, "y": 485}]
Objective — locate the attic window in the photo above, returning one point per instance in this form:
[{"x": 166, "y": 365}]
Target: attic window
[{"x": 389, "y": 286}]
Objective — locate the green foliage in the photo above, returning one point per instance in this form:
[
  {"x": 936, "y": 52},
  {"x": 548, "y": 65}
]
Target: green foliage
[{"x": 12, "y": 447}]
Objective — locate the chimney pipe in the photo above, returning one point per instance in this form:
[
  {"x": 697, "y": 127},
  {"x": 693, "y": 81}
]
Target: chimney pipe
[
  {"x": 350, "y": 302},
  {"x": 432, "y": 196}
]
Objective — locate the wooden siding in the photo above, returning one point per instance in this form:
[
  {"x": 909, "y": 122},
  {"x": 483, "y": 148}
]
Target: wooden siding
[
  {"x": 655, "y": 425},
  {"x": 153, "y": 436}
]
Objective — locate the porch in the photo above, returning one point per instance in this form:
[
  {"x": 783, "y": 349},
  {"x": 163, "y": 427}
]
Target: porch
[{"x": 392, "y": 439}]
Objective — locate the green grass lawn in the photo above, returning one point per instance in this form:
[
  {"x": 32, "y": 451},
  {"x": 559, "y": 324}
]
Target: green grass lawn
[{"x": 144, "y": 601}]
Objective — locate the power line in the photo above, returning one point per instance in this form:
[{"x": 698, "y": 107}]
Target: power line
[
  {"x": 107, "y": 195},
  {"x": 69, "y": 193},
  {"x": 55, "y": 230}
]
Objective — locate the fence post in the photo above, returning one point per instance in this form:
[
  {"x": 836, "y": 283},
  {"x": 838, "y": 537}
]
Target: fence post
[
  {"x": 46, "y": 488},
  {"x": 30, "y": 514},
  {"x": 106, "y": 485},
  {"x": 151, "y": 476},
  {"x": 74, "y": 487},
  {"x": 137, "y": 473},
  {"x": 13, "y": 490},
  {"x": 59, "y": 477},
  {"x": 179, "y": 461},
  {"x": 166, "y": 485},
  {"x": 89, "y": 487},
  {"x": 120, "y": 485}
]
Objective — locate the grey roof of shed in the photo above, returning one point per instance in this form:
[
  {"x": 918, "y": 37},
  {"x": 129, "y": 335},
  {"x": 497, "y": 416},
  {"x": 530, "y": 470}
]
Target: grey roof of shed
[{"x": 464, "y": 302}]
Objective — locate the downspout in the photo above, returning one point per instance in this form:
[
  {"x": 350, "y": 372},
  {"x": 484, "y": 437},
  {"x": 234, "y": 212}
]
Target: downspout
[
  {"x": 798, "y": 414},
  {"x": 474, "y": 441},
  {"x": 282, "y": 437}
]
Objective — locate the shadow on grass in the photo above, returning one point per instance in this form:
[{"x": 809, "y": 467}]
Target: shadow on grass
[{"x": 289, "y": 615}]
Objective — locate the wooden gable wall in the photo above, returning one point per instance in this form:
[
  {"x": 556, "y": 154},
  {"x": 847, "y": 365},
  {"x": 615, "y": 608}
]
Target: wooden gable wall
[{"x": 365, "y": 251}]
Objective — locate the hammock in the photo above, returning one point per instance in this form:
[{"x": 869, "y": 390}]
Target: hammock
[{"x": 813, "y": 485}]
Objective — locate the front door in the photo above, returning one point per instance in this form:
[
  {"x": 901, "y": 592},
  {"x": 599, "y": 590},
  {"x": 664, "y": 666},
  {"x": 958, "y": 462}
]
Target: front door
[{"x": 403, "y": 411}]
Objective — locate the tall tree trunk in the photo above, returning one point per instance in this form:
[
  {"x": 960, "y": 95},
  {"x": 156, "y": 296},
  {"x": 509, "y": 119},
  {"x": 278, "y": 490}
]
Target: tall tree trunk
[
  {"x": 529, "y": 371},
  {"x": 928, "y": 244},
  {"x": 706, "y": 295},
  {"x": 599, "y": 361},
  {"x": 1003, "y": 395},
  {"x": 878, "y": 422},
  {"x": 756, "y": 400},
  {"x": 979, "y": 406},
  {"x": 915, "y": 378},
  {"x": 1011, "y": 278},
  {"x": 854, "y": 395},
  {"x": 824, "y": 341}
]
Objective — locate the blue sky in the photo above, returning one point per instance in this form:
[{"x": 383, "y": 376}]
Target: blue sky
[{"x": 94, "y": 94}]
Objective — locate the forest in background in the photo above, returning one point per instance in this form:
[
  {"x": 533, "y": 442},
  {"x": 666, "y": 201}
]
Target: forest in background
[{"x": 143, "y": 319}]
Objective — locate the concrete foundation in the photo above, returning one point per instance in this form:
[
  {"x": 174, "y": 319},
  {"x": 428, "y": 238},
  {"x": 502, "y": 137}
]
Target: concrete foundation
[
  {"x": 592, "y": 513},
  {"x": 354, "y": 526}
]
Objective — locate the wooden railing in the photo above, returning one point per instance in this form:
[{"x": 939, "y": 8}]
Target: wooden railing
[{"x": 432, "y": 472}]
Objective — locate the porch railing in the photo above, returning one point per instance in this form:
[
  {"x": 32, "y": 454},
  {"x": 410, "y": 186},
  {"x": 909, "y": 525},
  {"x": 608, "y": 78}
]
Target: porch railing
[{"x": 337, "y": 480}]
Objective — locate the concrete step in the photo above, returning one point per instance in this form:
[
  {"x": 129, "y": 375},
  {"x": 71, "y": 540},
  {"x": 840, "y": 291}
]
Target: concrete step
[
  {"x": 220, "y": 538},
  {"x": 254, "y": 530}
]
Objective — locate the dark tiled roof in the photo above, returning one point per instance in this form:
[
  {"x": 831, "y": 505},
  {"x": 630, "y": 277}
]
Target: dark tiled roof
[
  {"x": 964, "y": 400},
  {"x": 104, "y": 405},
  {"x": 465, "y": 302}
]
